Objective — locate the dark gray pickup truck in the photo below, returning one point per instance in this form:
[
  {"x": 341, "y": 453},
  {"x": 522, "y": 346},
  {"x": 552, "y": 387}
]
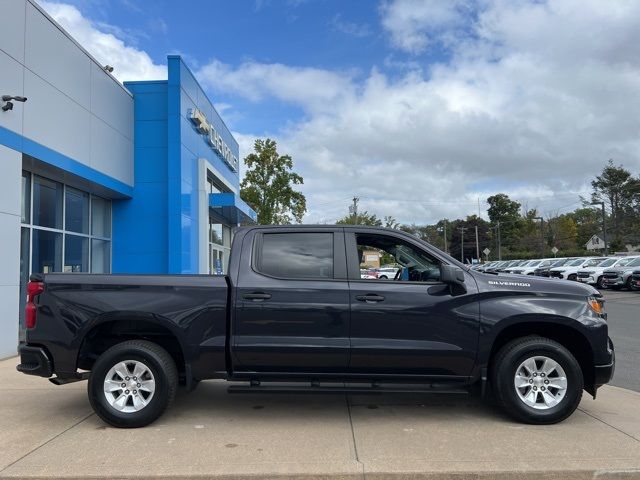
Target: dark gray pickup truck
[{"x": 294, "y": 314}]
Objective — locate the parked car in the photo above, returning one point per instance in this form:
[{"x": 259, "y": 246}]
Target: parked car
[
  {"x": 515, "y": 265},
  {"x": 620, "y": 275},
  {"x": 593, "y": 274},
  {"x": 368, "y": 273},
  {"x": 387, "y": 273},
  {"x": 544, "y": 271},
  {"x": 569, "y": 270},
  {"x": 294, "y": 309},
  {"x": 530, "y": 267},
  {"x": 635, "y": 280}
]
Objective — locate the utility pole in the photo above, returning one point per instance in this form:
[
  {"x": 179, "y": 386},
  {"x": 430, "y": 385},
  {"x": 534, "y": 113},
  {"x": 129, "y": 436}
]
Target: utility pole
[
  {"x": 353, "y": 210},
  {"x": 477, "y": 245},
  {"x": 499, "y": 242},
  {"x": 604, "y": 226},
  {"x": 462, "y": 229},
  {"x": 445, "y": 235}
]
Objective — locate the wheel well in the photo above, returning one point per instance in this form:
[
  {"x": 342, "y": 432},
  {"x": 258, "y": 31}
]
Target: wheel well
[
  {"x": 107, "y": 334},
  {"x": 568, "y": 337}
]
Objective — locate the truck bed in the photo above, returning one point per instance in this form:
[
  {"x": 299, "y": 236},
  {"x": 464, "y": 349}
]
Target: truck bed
[{"x": 93, "y": 307}]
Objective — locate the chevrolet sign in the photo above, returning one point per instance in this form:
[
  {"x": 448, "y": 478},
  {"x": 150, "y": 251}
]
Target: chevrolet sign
[{"x": 214, "y": 139}]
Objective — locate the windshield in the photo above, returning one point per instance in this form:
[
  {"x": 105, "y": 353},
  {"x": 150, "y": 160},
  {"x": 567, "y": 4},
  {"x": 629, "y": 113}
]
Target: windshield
[
  {"x": 593, "y": 262},
  {"x": 575, "y": 263},
  {"x": 533, "y": 263},
  {"x": 624, "y": 262},
  {"x": 608, "y": 262},
  {"x": 634, "y": 263},
  {"x": 559, "y": 263}
]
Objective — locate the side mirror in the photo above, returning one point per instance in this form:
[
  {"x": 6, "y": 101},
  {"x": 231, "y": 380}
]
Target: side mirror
[{"x": 453, "y": 276}]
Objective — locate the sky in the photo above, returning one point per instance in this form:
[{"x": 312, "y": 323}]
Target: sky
[{"x": 421, "y": 108}]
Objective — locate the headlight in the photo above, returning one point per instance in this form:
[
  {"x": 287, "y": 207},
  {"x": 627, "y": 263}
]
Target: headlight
[{"x": 596, "y": 304}]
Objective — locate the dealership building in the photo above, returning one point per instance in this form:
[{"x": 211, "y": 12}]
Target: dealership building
[{"x": 97, "y": 176}]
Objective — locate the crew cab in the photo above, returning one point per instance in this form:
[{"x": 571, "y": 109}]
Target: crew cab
[{"x": 293, "y": 314}]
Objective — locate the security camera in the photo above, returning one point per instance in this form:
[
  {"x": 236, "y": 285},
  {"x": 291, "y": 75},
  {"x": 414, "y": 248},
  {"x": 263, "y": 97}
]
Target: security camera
[
  {"x": 8, "y": 98},
  {"x": 7, "y": 106},
  {"x": 108, "y": 68}
]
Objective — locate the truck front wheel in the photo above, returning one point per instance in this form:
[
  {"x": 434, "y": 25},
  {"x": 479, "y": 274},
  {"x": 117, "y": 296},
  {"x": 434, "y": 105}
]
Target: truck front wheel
[
  {"x": 132, "y": 384},
  {"x": 537, "y": 380}
]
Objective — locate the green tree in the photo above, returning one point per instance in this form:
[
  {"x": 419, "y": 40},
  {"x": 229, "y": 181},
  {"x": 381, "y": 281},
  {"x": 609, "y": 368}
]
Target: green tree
[
  {"x": 268, "y": 185},
  {"x": 506, "y": 213},
  {"x": 361, "y": 218},
  {"x": 620, "y": 190}
]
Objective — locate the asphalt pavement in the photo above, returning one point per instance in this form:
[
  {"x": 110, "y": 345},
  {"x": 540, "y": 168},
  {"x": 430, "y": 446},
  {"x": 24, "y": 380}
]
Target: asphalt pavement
[{"x": 623, "y": 314}]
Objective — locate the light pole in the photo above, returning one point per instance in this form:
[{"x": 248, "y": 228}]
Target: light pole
[
  {"x": 541, "y": 235},
  {"x": 604, "y": 226}
]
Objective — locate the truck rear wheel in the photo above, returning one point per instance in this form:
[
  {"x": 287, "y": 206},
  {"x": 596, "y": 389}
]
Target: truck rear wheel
[
  {"x": 132, "y": 384},
  {"x": 537, "y": 380}
]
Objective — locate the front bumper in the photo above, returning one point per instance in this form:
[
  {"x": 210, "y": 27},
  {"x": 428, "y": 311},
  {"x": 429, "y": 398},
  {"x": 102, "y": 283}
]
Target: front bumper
[
  {"x": 604, "y": 373},
  {"x": 590, "y": 280},
  {"x": 34, "y": 361},
  {"x": 612, "y": 282}
]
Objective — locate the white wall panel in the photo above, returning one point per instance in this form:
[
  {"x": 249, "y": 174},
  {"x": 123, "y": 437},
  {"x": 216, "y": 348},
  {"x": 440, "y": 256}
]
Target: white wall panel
[
  {"x": 54, "y": 120},
  {"x": 53, "y": 56},
  {"x": 12, "y": 28},
  {"x": 10, "y": 181},
  {"x": 110, "y": 103},
  {"x": 9, "y": 321},
  {"x": 11, "y": 84},
  {"x": 111, "y": 151},
  {"x": 9, "y": 250}
]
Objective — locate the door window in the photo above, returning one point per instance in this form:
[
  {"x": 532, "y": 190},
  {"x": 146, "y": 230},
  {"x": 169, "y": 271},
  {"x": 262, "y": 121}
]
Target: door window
[
  {"x": 296, "y": 255},
  {"x": 411, "y": 263}
]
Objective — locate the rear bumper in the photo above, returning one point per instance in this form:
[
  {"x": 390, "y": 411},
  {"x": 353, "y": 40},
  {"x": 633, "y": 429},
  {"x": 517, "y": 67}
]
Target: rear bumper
[
  {"x": 604, "y": 373},
  {"x": 34, "y": 361}
]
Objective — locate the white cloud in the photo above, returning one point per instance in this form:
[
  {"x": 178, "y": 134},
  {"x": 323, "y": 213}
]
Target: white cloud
[
  {"x": 310, "y": 88},
  {"x": 129, "y": 62},
  {"x": 415, "y": 24}
]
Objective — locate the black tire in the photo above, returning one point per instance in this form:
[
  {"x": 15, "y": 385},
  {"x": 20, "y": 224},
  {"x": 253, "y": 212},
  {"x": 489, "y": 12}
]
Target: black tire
[
  {"x": 573, "y": 277},
  {"x": 627, "y": 284},
  {"x": 599, "y": 284},
  {"x": 165, "y": 375},
  {"x": 503, "y": 372},
  {"x": 382, "y": 277}
]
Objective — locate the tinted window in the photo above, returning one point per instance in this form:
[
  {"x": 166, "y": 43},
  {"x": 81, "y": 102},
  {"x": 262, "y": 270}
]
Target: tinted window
[{"x": 297, "y": 255}]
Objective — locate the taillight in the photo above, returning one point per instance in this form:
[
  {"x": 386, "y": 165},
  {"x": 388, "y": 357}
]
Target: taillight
[{"x": 33, "y": 289}]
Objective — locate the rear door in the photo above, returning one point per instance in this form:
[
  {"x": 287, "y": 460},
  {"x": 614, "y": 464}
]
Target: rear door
[{"x": 292, "y": 302}]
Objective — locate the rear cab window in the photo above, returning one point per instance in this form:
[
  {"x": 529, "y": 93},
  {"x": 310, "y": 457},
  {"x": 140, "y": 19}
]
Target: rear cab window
[{"x": 306, "y": 255}]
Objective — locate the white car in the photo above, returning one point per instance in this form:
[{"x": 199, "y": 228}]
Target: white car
[
  {"x": 569, "y": 271},
  {"x": 387, "y": 273},
  {"x": 516, "y": 265},
  {"x": 529, "y": 267},
  {"x": 593, "y": 275}
]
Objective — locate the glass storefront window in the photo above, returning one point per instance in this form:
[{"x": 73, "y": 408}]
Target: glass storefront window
[
  {"x": 47, "y": 203},
  {"x": 25, "y": 256},
  {"x": 215, "y": 233},
  {"x": 76, "y": 254},
  {"x": 100, "y": 256},
  {"x": 76, "y": 211},
  {"x": 47, "y": 251},
  {"x": 26, "y": 197},
  {"x": 100, "y": 217}
]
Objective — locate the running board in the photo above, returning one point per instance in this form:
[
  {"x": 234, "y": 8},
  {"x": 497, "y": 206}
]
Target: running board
[{"x": 367, "y": 389}]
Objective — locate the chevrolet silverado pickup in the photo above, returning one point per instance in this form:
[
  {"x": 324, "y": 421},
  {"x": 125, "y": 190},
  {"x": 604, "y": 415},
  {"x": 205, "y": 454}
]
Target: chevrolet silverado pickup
[{"x": 293, "y": 314}]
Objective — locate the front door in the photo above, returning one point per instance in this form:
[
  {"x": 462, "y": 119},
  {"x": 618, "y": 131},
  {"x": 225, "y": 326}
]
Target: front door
[
  {"x": 292, "y": 302},
  {"x": 411, "y": 324}
]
